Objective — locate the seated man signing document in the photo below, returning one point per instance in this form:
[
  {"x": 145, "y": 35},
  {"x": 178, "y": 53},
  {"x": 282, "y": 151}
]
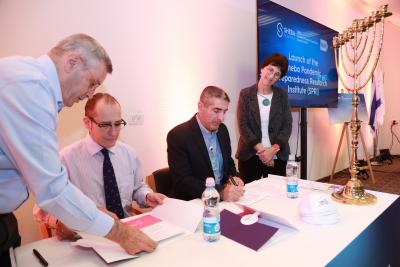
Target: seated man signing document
[
  {"x": 201, "y": 148},
  {"x": 106, "y": 170}
]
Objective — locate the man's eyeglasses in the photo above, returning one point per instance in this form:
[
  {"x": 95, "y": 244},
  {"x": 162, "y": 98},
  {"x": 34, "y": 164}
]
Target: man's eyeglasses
[{"x": 108, "y": 125}]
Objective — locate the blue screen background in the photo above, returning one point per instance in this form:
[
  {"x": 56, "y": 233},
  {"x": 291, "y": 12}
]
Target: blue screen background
[{"x": 312, "y": 79}]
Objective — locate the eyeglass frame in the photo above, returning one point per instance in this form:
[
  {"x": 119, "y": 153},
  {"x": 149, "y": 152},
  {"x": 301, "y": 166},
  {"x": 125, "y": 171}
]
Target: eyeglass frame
[
  {"x": 277, "y": 75},
  {"x": 106, "y": 126}
]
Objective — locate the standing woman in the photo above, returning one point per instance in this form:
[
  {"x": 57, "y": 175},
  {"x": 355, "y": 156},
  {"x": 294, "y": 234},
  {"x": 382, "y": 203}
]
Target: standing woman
[{"x": 265, "y": 123}]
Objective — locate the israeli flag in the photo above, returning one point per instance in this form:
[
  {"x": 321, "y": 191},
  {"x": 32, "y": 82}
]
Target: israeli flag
[{"x": 377, "y": 111}]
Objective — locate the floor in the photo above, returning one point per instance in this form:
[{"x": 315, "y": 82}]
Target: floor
[{"x": 387, "y": 177}]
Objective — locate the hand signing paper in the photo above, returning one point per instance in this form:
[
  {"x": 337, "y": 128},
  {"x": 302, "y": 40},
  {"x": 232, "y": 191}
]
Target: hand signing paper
[
  {"x": 232, "y": 192},
  {"x": 237, "y": 181}
]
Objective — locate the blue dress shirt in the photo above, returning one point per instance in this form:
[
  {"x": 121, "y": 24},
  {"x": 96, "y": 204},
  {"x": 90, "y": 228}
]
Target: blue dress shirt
[
  {"x": 30, "y": 99},
  {"x": 214, "y": 151}
]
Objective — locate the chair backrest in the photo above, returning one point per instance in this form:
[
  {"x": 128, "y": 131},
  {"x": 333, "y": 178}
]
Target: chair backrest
[{"x": 160, "y": 181}]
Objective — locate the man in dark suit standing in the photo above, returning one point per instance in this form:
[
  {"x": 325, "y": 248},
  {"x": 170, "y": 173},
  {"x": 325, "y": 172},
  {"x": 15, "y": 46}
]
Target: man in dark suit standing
[{"x": 201, "y": 148}]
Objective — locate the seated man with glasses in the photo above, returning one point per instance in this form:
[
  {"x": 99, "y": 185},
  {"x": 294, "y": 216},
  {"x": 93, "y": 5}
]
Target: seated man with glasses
[{"x": 106, "y": 170}]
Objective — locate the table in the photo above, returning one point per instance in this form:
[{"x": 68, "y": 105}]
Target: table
[{"x": 365, "y": 236}]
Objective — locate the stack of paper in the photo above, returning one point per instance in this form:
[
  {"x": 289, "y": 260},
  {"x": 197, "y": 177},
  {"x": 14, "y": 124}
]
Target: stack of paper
[
  {"x": 318, "y": 209},
  {"x": 254, "y": 192},
  {"x": 317, "y": 186},
  {"x": 172, "y": 218}
]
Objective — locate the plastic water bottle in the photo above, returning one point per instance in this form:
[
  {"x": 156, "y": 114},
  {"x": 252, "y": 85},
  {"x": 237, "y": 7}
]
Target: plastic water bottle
[
  {"x": 292, "y": 178},
  {"x": 211, "y": 217}
]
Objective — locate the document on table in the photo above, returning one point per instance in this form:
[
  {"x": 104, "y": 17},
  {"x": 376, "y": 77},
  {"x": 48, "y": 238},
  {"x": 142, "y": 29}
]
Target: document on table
[
  {"x": 185, "y": 214},
  {"x": 155, "y": 228},
  {"x": 285, "y": 228},
  {"x": 110, "y": 251},
  {"x": 172, "y": 218},
  {"x": 256, "y": 191},
  {"x": 318, "y": 186}
]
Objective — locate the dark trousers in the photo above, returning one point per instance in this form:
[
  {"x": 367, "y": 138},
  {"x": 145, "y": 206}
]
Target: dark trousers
[
  {"x": 253, "y": 169},
  {"x": 9, "y": 237}
]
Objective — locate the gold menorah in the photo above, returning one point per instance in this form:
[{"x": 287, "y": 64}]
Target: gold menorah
[{"x": 355, "y": 39}]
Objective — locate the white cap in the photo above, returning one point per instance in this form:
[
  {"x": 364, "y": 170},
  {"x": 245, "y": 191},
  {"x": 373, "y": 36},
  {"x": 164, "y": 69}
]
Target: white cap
[
  {"x": 318, "y": 209},
  {"x": 210, "y": 181}
]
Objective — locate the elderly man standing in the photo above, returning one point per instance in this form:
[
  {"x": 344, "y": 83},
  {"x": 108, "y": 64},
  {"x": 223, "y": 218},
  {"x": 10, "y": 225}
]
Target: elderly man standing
[
  {"x": 201, "y": 148},
  {"x": 32, "y": 92}
]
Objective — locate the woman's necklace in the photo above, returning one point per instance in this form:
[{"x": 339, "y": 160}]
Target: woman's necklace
[{"x": 265, "y": 101}]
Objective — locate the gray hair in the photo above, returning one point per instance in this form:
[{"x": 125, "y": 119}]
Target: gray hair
[
  {"x": 84, "y": 44},
  {"x": 211, "y": 92}
]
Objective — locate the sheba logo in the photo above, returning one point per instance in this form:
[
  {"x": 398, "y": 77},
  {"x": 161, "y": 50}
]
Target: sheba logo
[
  {"x": 279, "y": 29},
  {"x": 282, "y": 30}
]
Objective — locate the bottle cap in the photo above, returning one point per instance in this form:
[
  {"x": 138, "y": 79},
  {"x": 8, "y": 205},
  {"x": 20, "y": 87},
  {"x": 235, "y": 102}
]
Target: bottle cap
[{"x": 210, "y": 181}]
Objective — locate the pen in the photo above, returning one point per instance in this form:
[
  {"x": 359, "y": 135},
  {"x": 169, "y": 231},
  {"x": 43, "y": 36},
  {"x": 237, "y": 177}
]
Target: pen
[
  {"x": 40, "y": 258},
  {"x": 233, "y": 180}
]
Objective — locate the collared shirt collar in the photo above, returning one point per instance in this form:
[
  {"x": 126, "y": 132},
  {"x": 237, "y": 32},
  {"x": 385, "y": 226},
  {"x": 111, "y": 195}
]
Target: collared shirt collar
[
  {"x": 202, "y": 128},
  {"x": 48, "y": 66},
  {"x": 93, "y": 147}
]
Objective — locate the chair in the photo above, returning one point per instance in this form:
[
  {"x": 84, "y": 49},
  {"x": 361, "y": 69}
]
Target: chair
[{"x": 160, "y": 181}]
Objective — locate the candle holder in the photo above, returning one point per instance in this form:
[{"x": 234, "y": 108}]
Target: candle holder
[{"x": 357, "y": 67}]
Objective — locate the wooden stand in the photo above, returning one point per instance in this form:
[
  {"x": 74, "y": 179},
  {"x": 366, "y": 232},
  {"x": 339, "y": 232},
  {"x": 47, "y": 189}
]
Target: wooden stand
[{"x": 345, "y": 129}]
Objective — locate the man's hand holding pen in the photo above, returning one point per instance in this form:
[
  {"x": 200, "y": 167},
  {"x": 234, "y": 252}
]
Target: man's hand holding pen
[
  {"x": 233, "y": 190},
  {"x": 236, "y": 181}
]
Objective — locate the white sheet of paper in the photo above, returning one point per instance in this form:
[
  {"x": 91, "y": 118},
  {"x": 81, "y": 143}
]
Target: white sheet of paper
[
  {"x": 161, "y": 230},
  {"x": 254, "y": 191},
  {"x": 107, "y": 249},
  {"x": 185, "y": 214},
  {"x": 111, "y": 251},
  {"x": 284, "y": 231},
  {"x": 177, "y": 216}
]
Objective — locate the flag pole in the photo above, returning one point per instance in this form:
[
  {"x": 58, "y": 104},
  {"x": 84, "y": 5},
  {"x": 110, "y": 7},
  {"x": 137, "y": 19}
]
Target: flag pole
[{"x": 376, "y": 161}]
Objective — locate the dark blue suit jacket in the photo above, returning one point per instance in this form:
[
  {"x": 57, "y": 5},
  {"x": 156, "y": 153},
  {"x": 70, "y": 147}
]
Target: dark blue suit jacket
[{"x": 189, "y": 162}]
